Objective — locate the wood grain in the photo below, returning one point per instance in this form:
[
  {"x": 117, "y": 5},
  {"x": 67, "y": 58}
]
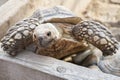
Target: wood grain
[{"x": 29, "y": 66}]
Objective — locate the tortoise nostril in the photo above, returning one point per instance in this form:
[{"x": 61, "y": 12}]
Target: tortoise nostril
[
  {"x": 49, "y": 33},
  {"x": 40, "y": 39},
  {"x": 34, "y": 36}
]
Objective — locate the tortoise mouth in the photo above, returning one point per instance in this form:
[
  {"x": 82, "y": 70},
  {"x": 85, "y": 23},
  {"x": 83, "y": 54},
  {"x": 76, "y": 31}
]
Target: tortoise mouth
[{"x": 47, "y": 43}]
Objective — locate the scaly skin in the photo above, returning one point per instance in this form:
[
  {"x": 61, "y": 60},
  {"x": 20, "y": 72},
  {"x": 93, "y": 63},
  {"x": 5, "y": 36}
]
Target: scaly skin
[
  {"x": 19, "y": 36},
  {"x": 96, "y": 34}
]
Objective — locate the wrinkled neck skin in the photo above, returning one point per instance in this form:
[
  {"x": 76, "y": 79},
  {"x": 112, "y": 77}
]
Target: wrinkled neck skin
[
  {"x": 63, "y": 46},
  {"x": 111, "y": 64}
]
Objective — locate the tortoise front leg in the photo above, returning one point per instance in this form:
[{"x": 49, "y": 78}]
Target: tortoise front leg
[
  {"x": 96, "y": 34},
  {"x": 19, "y": 36}
]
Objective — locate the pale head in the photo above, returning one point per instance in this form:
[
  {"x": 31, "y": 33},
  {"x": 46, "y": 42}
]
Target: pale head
[{"x": 46, "y": 34}]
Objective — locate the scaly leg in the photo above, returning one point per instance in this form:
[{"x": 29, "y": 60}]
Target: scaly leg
[
  {"x": 19, "y": 36},
  {"x": 96, "y": 34}
]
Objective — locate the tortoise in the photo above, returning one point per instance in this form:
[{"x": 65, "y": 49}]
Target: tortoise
[
  {"x": 57, "y": 32},
  {"x": 23, "y": 33}
]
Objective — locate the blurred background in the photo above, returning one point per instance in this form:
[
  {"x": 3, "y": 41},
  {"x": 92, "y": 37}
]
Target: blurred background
[
  {"x": 105, "y": 11},
  {"x": 2, "y": 2}
]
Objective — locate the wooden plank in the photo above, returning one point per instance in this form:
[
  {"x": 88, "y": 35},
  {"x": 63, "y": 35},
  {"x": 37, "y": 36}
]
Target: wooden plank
[
  {"x": 14, "y": 71},
  {"x": 28, "y": 66}
]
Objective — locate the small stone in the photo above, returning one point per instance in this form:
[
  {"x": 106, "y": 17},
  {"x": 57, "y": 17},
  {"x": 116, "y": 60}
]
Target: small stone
[
  {"x": 82, "y": 35},
  {"x": 96, "y": 32},
  {"x": 109, "y": 43},
  {"x": 86, "y": 36},
  {"x": 20, "y": 29},
  {"x": 32, "y": 20},
  {"x": 112, "y": 46},
  {"x": 11, "y": 40},
  {"x": 90, "y": 32},
  {"x": 13, "y": 43},
  {"x": 102, "y": 34},
  {"x": 18, "y": 36},
  {"x": 84, "y": 29},
  {"x": 108, "y": 48},
  {"x": 95, "y": 38},
  {"x": 26, "y": 24},
  {"x": 37, "y": 23},
  {"x": 103, "y": 41},
  {"x": 32, "y": 26},
  {"x": 85, "y": 23},
  {"x": 8, "y": 43},
  {"x": 26, "y": 32}
]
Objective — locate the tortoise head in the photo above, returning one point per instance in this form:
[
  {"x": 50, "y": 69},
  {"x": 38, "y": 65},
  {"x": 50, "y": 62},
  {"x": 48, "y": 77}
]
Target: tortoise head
[{"x": 45, "y": 35}]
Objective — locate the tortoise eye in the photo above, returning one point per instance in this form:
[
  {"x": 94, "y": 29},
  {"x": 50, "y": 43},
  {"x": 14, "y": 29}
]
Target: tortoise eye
[{"x": 49, "y": 33}]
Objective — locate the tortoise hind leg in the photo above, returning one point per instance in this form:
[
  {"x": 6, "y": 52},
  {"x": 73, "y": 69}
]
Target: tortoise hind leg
[
  {"x": 99, "y": 36},
  {"x": 96, "y": 34},
  {"x": 111, "y": 65}
]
